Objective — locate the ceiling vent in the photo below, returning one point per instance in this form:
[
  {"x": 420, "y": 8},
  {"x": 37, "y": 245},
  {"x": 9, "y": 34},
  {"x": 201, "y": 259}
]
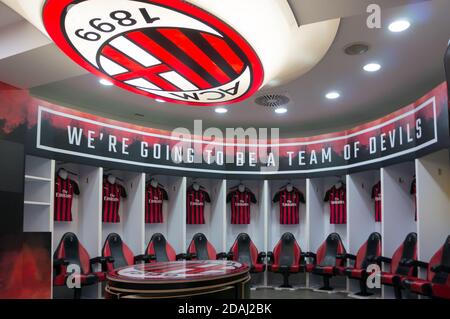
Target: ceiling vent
[
  {"x": 272, "y": 101},
  {"x": 356, "y": 48}
]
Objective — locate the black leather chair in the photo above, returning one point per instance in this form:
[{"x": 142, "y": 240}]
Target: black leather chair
[
  {"x": 117, "y": 254},
  {"x": 201, "y": 249},
  {"x": 437, "y": 282},
  {"x": 158, "y": 249},
  {"x": 327, "y": 260},
  {"x": 286, "y": 258},
  {"x": 367, "y": 254},
  {"x": 71, "y": 252},
  {"x": 400, "y": 265},
  {"x": 245, "y": 252}
]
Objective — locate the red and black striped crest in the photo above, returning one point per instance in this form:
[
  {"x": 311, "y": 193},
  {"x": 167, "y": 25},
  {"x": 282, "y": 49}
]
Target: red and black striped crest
[
  {"x": 163, "y": 49},
  {"x": 180, "y": 270}
]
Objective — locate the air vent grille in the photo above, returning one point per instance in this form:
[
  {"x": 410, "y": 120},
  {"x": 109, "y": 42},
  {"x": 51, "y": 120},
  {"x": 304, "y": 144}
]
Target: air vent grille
[{"x": 272, "y": 100}]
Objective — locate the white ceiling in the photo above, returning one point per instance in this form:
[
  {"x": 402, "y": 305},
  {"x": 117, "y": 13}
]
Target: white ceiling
[
  {"x": 8, "y": 16},
  {"x": 412, "y": 64}
]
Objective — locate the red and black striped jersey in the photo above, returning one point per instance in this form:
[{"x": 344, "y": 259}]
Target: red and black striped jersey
[
  {"x": 240, "y": 205},
  {"x": 64, "y": 191},
  {"x": 111, "y": 201},
  {"x": 413, "y": 192},
  {"x": 338, "y": 207},
  {"x": 195, "y": 206},
  {"x": 289, "y": 205},
  {"x": 154, "y": 198},
  {"x": 376, "y": 196}
]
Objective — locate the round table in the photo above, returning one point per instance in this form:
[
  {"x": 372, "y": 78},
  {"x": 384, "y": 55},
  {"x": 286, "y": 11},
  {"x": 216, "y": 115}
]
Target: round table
[{"x": 180, "y": 279}]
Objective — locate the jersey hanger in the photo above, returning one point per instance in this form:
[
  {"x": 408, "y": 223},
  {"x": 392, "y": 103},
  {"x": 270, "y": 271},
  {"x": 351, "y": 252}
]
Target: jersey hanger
[
  {"x": 63, "y": 173},
  {"x": 111, "y": 179}
]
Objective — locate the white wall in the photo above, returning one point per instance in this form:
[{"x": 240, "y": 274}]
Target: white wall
[
  {"x": 360, "y": 213},
  {"x": 397, "y": 206},
  {"x": 433, "y": 202}
]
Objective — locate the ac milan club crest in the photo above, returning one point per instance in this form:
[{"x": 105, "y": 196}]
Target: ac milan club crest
[
  {"x": 180, "y": 270},
  {"x": 165, "y": 49}
]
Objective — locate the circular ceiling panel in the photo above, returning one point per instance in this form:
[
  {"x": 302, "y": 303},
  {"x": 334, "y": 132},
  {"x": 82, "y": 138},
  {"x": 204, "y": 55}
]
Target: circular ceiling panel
[
  {"x": 167, "y": 50},
  {"x": 263, "y": 42}
]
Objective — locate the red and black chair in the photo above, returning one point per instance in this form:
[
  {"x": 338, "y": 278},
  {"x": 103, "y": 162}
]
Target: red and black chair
[
  {"x": 117, "y": 254},
  {"x": 367, "y": 254},
  {"x": 201, "y": 249},
  {"x": 327, "y": 260},
  {"x": 286, "y": 258},
  {"x": 160, "y": 250},
  {"x": 437, "y": 283},
  {"x": 399, "y": 268},
  {"x": 71, "y": 252},
  {"x": 245, "y": 252}
]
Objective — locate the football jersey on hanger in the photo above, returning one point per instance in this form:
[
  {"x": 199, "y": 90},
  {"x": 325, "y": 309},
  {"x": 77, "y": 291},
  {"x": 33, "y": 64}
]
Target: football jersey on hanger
[
  {"x": 154, "y": 199},
  {"x": 65, "y": 189},
  {"x": 112, "y": 194},
  {"x": 338, "y": 207},
  {"x": 289, "y": 205},
  {"x": 195, "y": 206},
  {"x": 240, "y": 205}
]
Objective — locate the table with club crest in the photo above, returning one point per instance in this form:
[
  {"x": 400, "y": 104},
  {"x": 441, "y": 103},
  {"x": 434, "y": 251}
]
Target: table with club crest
[{"x": 180, "y": 279}]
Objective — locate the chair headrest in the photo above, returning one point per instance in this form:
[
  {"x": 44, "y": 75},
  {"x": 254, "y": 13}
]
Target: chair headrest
[
  {"x": 114, "y": 240},
  {"x": 333, "y": 237},
  {"x": 287, "y": 238},
  {"x": 199, "y": 237},
  {"x": 70, "y": 238},
  {"x": 375, "y": 237},
  {"x": 158, "y": 238},
  {"x": 411, "y": 239},
  {"x": 243, "y": 238},
  {"x": 447, "y": 241}
]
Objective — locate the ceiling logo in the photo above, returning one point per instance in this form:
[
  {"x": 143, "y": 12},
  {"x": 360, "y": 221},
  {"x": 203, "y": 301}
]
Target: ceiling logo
[{"x": 164, "y": 49}]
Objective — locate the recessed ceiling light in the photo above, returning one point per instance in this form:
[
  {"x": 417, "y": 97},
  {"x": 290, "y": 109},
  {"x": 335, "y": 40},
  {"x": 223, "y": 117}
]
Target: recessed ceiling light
[
  {"x": 332, "y": 95},
  {"x": 281, "y": 110},
  {"x": 399, "y": 25},
  {"x": 221, "y": 110},
  {"x": 160, "y": 101},
  {"x": 105, "y": 82},
  {"x": 372, "y": 67}
]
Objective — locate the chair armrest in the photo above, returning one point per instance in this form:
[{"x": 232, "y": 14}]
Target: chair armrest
[
  {"x": 270, "y": 257},
  {"x": 146, "y": 258},
  {"x": 440, "y": 268},
  {"x": 222, "y": 255},
  {"x": 190, "y": 256},
  {"x": 382, "y": 259},
  {"x": 311, "y": 255},
  {"x": 346, "y": 256},
  {"x": 142, "y": 257},
  {"x": 97, "y": 260},
  {"x": 60, "y": 262},
  {"x": 182, "y": 256},
  {"x": 420, "y": 264},
  {"x": 109, "y": 259},
  {"x": 262, "y": 255},
  {"x": 414, "y": 263}
]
